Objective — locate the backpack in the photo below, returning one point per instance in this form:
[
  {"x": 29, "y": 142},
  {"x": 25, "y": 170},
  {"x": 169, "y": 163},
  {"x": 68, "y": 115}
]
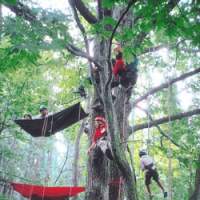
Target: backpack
[{"x": 132, "y": 67}]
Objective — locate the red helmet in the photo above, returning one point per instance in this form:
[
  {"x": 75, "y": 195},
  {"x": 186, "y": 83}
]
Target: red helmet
[{"x": 100, "y": 118}]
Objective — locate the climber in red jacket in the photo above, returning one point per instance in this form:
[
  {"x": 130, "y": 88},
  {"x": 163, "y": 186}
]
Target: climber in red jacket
[
  {"x": 100, "y": 131},
  {"x": 99, "y": 137},
  {"x": 119, "y": 66}
]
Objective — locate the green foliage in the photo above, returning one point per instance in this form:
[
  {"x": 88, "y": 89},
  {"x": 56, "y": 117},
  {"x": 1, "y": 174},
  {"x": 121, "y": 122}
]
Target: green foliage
[
  {"x": 110, "y": 3},
  {"x": 8, "y": 1},
  {"x": 11, "y": 59},
  {"x": 35, "y": 68}
]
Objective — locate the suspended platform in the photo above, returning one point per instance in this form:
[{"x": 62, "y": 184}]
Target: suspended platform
[{"x": 54, "y": 122}]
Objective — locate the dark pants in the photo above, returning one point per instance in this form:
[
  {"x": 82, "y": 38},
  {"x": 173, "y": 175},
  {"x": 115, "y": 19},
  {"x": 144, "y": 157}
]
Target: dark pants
[
  {"x": 127, "y": 79},
  {"x": 151, "y": 173}
]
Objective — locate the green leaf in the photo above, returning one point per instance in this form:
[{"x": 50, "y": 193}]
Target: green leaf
[
  {"x": 108, "y": 3},
  {"x": 8, "y": 1}
]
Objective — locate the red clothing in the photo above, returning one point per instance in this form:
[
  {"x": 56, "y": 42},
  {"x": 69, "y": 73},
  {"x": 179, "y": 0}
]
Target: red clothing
[
  {"x": 119, "y": 66},
  {"x": 99, "y": 133}
]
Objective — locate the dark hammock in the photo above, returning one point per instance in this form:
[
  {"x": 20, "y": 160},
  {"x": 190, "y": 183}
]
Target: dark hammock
[
  {"x": 53, "y": 123},
  {"x": 35, "y": 192}
]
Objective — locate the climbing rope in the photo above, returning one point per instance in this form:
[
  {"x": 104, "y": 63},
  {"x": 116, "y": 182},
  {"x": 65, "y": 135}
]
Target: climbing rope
[{"x": 170, "y": 174}]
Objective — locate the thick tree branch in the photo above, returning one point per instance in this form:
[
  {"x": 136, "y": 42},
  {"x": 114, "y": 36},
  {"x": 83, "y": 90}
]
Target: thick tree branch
[
  {"x": 22, "y": 10},
  {"x": 159, "y": 129},
  {"x": 152, "y": 49},
  {"x": 78, "y": 21},
  {"x": 165, "y": 120},
  {"x": 84, "y": 11},
  {"x": 81, "y": 27},
  {"x": 172, "y": 4},
  {"x": 158, "y": 47},
  {"x": 188, "y": 50},
  {"x": 166, "y": 85},
  {"x": 77, "y": 52}
]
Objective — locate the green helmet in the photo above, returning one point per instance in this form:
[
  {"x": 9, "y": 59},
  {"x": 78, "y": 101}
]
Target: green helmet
[{"x": 42, "y": 107}]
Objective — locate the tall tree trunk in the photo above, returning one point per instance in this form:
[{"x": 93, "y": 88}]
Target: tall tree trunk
[
  {"x": 98, "y": 165},
  {"x": 120, "y": 174},
  {"x": 122, "y": 111},
  {"x": 196, "y": 194},
  {"x": 115, "y": 132}
]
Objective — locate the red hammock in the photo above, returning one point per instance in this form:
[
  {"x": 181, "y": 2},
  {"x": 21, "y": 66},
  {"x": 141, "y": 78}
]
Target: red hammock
[{"x": 35, "y": 192}]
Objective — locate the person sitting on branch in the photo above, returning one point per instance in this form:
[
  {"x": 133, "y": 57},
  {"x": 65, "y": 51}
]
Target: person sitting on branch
[{"x": 148, "y": 166}]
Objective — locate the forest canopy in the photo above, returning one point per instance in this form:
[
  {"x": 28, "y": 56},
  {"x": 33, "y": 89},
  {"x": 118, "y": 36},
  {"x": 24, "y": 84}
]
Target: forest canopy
[{"x": 56, "y": 54}]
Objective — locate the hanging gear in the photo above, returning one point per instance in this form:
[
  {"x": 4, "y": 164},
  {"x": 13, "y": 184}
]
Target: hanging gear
[
  {"x": 105, "y": 147},
  {"x": 129, "y": 78},
  {"x": 81, "y": 91},
  {"x": 87, "y": 128}
]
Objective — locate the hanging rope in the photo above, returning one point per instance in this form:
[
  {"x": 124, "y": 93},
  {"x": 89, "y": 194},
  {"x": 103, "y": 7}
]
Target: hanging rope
[
  {"x": 170, "y": 148},
  {"x": 124, "y": 120},
  {"x": 62, "y": 168},
  {"x": 148, "y": 114}
]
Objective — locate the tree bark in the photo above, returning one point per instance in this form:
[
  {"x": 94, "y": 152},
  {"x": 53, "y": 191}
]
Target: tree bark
[
  {"x": 22, "y": 10},
  {"x": 117, "y": 123},
  {"x": 84, "y": 11},
  {"x": 114, "y": 132},
  {"x": 196, "y": 194},
  {"x": 98, "y": 165}
]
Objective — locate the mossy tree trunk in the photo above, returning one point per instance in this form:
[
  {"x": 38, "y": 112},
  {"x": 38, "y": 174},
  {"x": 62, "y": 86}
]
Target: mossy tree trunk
[{"x": 196, "y": 193}]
